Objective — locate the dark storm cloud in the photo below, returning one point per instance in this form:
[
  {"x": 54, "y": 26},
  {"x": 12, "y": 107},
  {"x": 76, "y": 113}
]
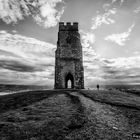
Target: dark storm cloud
[
  {"x": 18, "y": 66},
  {"x": 108, "y": 61},
  {"x": 111, "y": 71}
]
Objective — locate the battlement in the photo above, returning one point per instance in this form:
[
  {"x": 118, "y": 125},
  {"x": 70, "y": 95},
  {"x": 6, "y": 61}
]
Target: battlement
[{"x": 68, "y": 26}]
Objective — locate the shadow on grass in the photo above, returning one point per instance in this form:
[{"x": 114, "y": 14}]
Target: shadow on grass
[
  {"x": 34, "y": 129},
  {"x": 18, "y": 100}
]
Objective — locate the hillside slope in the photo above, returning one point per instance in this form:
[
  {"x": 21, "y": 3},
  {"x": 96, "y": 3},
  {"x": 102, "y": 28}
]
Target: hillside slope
[{"x": 69, "y": 115}]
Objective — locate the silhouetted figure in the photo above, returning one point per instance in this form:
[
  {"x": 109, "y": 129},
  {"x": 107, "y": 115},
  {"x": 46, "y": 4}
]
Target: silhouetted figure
[{"x": 97, "y": 86}]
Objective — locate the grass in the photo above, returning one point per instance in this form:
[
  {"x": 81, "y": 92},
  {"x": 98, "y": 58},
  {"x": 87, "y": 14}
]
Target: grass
[
  {"x": 17, "y": 100},
  {"x": 47, "y": 115},
  {"x": 114, "y": 97},
  {"x": 69, "y": 115}
]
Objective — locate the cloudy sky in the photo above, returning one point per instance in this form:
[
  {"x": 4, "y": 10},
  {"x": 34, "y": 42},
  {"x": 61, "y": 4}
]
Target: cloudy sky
[{"x": 110, "y": 36}]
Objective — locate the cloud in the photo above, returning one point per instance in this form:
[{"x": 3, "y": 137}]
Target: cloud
[
  {"x": 103, "y": 19},
  {"x": 4, "y": 53},
  {"x": 91, "y": 66},
  {"x": 24, "y": 46},
  {"x": 88, "y": 39},
  {"x": 121, "y": 1},
  {"x": 120, "y": 38},
  {"x": 137, "y": 10},
  {"x": 109, "y": 9},
  {"x": 122, "y": 62},
  {"x": 18, "y": 66},
  {"x": 30, "y": 78},
  {"x": 125, "y": 70},
  {"x": 136, "y": 53},
  {"x": 11, "y": 10},
  {"x": 44, "y": 12},
  {"x": 14, "y": 31},
  {"x": 49, "y": 16},
  {"x": 122, "y": 70},
  {"x": 25, "y": 60}
]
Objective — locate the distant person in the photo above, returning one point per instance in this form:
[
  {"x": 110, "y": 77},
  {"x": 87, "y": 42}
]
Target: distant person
[{"x": 97, "y": 86}]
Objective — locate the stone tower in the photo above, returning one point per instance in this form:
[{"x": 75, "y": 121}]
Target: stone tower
[{"x": 68, "y": 57}]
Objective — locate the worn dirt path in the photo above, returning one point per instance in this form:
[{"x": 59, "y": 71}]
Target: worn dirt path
[{"x": 103, "y": 121}]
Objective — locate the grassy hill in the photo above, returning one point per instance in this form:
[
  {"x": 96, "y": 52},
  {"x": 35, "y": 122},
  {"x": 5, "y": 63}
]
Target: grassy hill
[{"x": 69, "y": 115}]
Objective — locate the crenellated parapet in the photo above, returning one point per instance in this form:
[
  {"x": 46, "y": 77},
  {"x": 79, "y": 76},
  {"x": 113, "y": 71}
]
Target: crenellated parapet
[{"x": 68, "y": 26}]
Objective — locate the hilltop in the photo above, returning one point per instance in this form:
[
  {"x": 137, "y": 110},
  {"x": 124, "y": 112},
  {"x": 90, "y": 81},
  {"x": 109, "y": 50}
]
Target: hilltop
[{"x": 69, "y": 115}]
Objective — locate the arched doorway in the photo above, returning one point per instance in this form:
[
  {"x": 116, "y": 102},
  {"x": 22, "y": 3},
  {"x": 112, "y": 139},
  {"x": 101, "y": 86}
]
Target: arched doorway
[{"x": 69, "y": 81}]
